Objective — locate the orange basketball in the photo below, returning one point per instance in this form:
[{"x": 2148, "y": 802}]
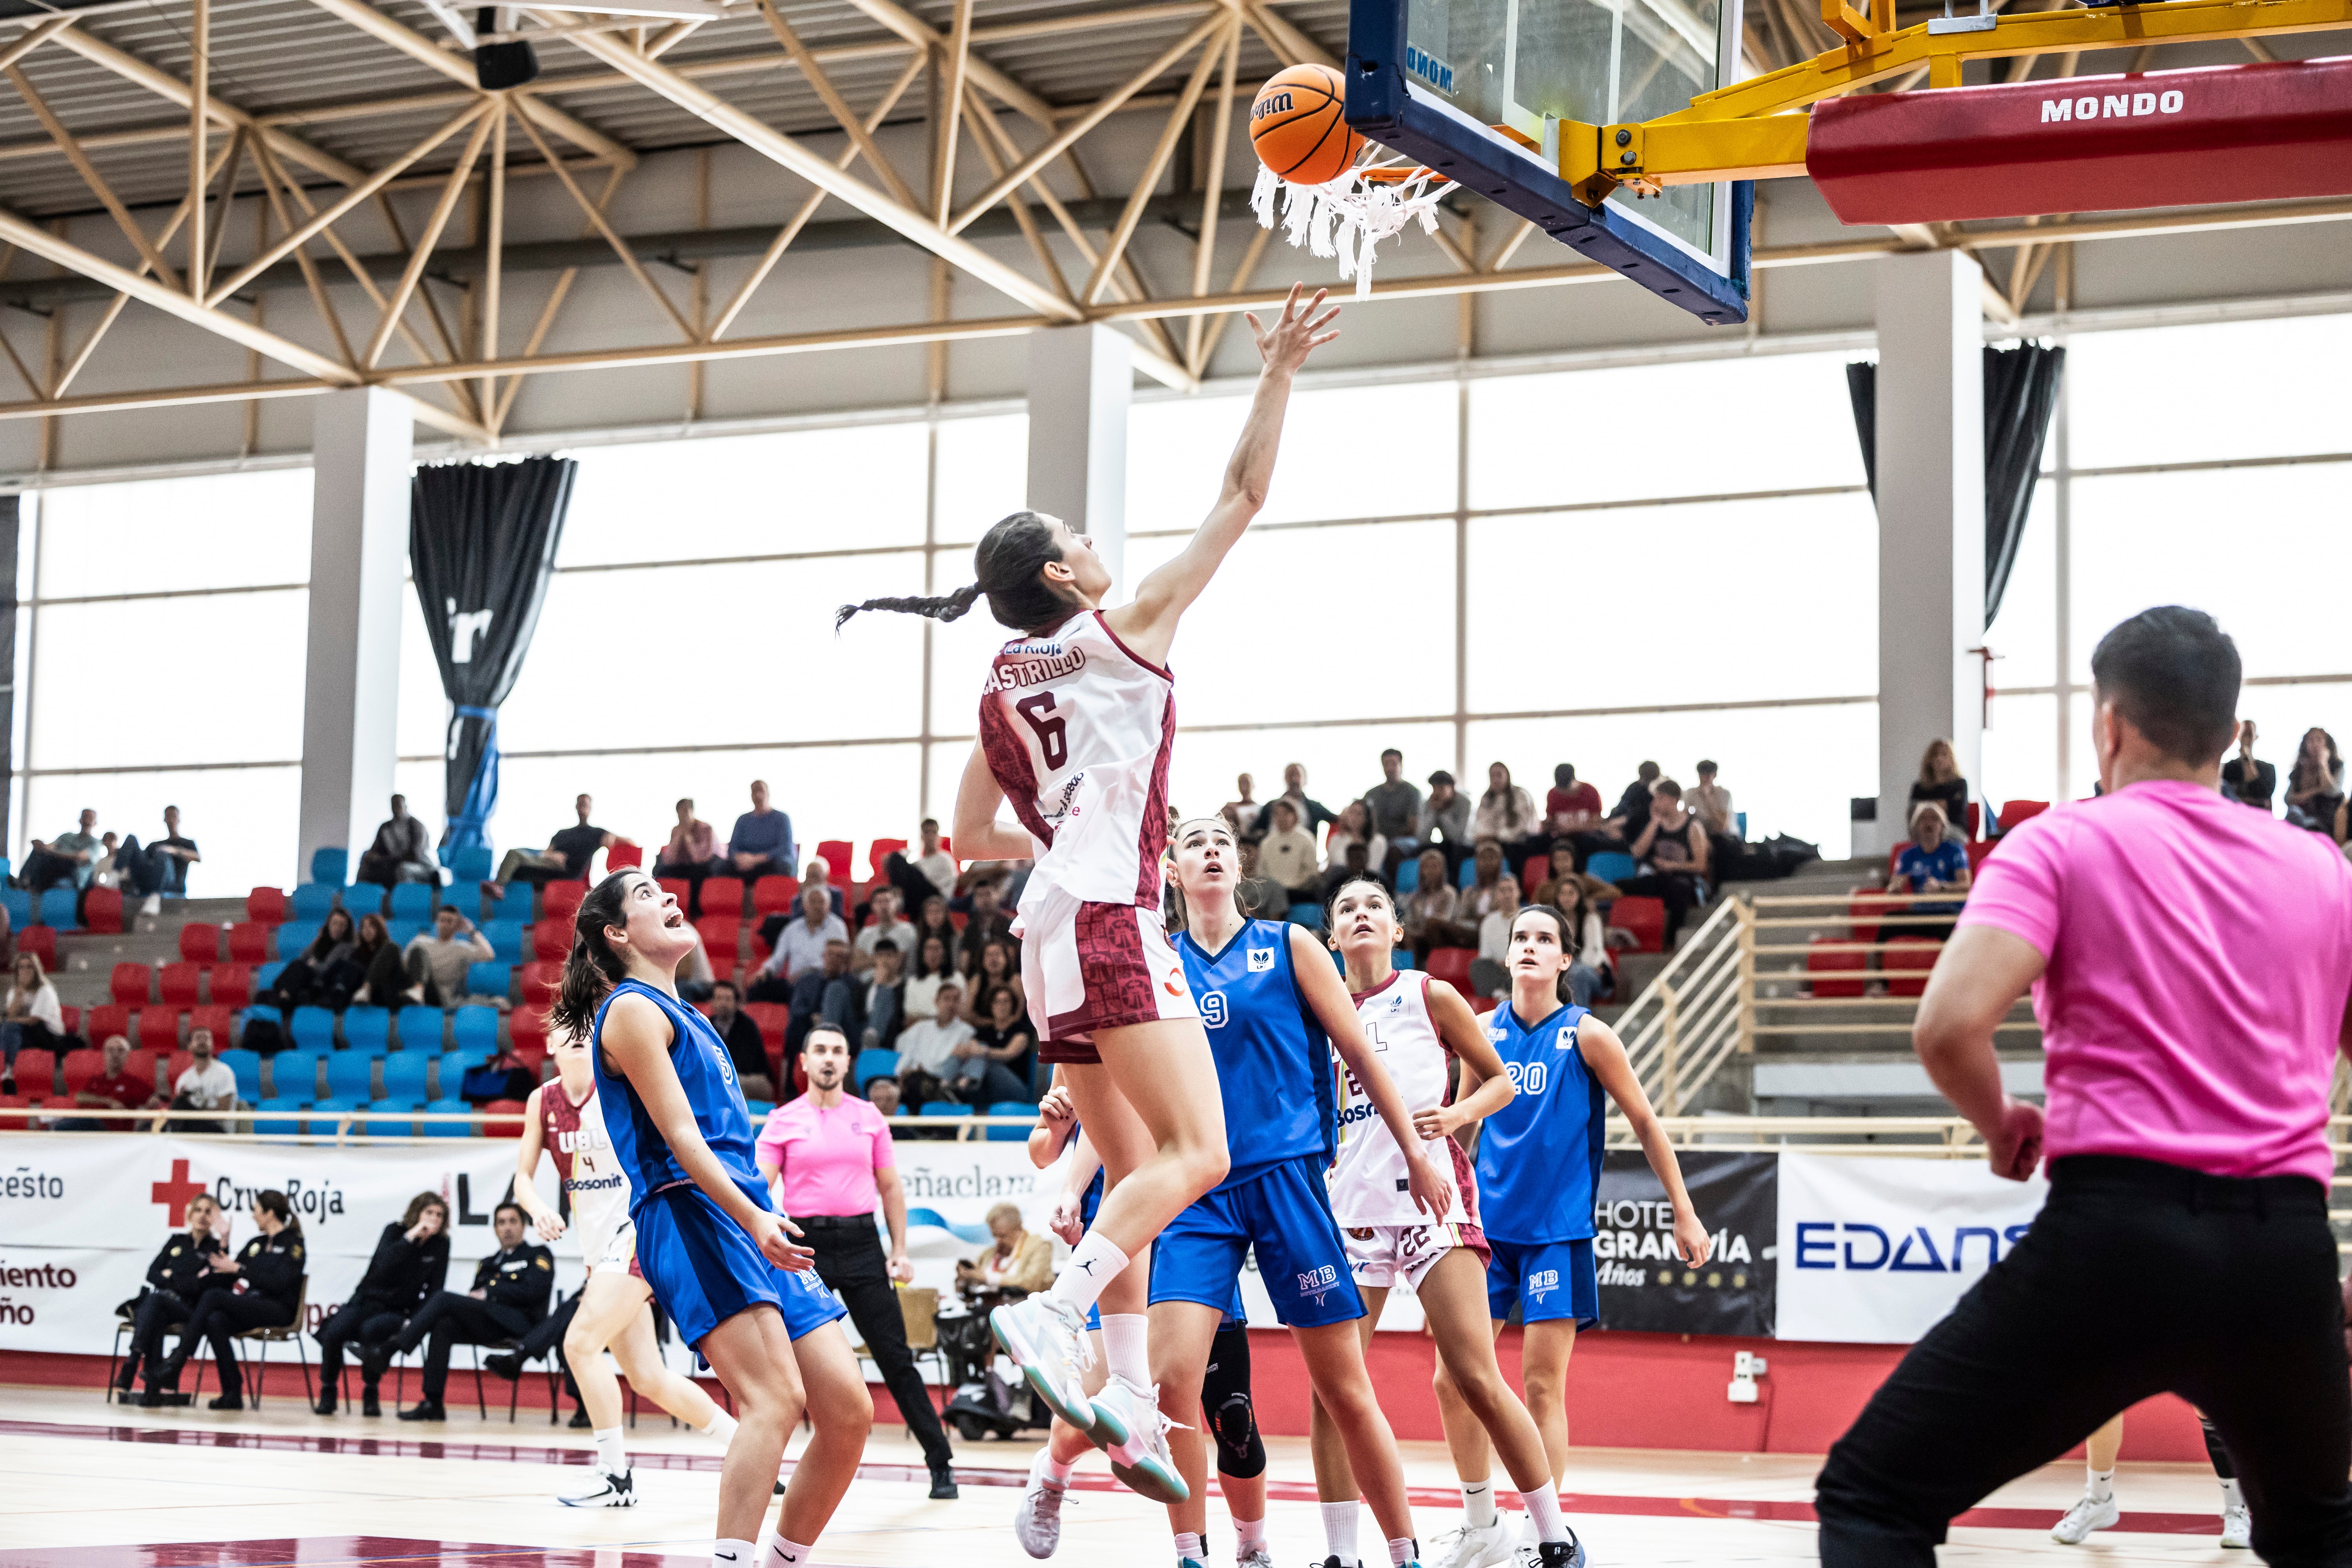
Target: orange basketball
[{"x": 1296, "y": 129}]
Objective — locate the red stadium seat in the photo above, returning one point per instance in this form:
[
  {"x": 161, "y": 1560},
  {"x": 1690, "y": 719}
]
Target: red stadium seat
[
  {"x": 41, "y": 941},
  {"x": 105, "y": 1022},
  {"x": 1485, "y": 1005},
  {"x": 773, "y": 1019},
  {"x": 36, "y": 1073},
  {"x": 527, "y": 1027},
  {"x": 129, "y": 984},
  {"x": 722, "y": 895},
  {"x": 231, "y": 984},
  {"x": 509, "y": 1118},
  {"x": 248, "y": 943},
  {"x": 140, "y": 1064},
  {"x": 723, "y": 966},
  {"x": 550, "y": 939},
  {"x": 1533, "y": 874},
  {"x": 1980, "y": 851},
  {"x": 558, "y": 901},
  {"x": 265, "y": 906},
  {"x": 101, "y": 910},
  {"x": 774, "y": 896},
  {"x": 177, "y": 984},
  {"x": 1865, "y": 910},
  {"x": 1821, "y": 965},
  {"x": 1646, "y": 918},
  {"x": 216, "y": 1016},
  {"x": 80, "y": 1067},
  {"x": 158, "y": 1028},
  {"x": 622, "y": 857},
  {"x": 1975, "y": 815},
  {"x": 72, "y": 1017},
  {"x": 835, "y": 853},
  {"x": 541, "y": 982},
  {"x": 2017, "y": 811},
  {"x": 719, "y": 932},
  {"x": 200, "y": 943},
  {"x": 880, "y": 850},
  {"x": 675, "y": 887},
  {"x": 1906, "y": 961},
  {"x": 1452, "y": 964},
  {"x": 180, "y": 1062}
]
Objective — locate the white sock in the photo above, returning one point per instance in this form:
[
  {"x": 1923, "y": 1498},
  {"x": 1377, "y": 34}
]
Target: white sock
[
  {"x": 1188, "y": 1545},
  {"x": 780, "y": 1550},
  {"x": 1543, "y": 1512},
  {"x": 1057, "y": 1473},
  {"x": 722, "y": 1426},
  {"x": 1248, "y": 1534},
  {"x": 1094, "y": 1263},
  {"x": 1404, "y": 1549},
  {"x": 1339, "y": 1530},
  {"x": 612, "y": 1453},
  {"x": 730, "y": 1552},
  {"x": 2101, "y": 1486},
  {"x": 1127, "y": 1345},
  {"x": 1478, "y": 1503},
  {"x": 2230, "y": 1496}
]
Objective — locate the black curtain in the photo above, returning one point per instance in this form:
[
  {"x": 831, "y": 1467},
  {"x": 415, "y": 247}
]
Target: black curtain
[
  {"x": 2021, "y": 391},
  {"x": 481, "y": 543}
]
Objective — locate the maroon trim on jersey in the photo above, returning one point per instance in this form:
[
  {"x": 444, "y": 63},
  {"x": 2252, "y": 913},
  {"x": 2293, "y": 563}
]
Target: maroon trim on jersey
[
  {"x": 1122, "y": 644},
  {"x": 1152, "y": 846},
  {"x": 1360, "y": 998},
  {"x": 1008, "y": 763}
]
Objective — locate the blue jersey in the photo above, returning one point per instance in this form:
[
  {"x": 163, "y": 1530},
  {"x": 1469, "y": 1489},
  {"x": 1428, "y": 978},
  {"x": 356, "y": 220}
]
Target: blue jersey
[
  {"x": 1539, "y": 1156},
  {"x": 1274, "y": 1060},
  {"x": 707, "y": 1074}
]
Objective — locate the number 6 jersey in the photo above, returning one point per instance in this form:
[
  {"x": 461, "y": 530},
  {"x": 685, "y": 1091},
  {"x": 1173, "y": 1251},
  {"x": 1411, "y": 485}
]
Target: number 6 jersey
[
  {"x": 1076, "y": 730},
  {"x": 1368, "y": 1179}
]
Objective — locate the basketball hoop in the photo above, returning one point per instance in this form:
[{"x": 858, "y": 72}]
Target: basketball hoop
[{"x": 1348, "y": 217}]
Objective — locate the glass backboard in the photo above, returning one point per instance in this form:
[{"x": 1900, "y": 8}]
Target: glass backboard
[{"x": 1476, "y": 88}]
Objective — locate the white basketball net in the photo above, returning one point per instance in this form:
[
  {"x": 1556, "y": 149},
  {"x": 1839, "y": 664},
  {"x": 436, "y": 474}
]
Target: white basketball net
[{"x": 1349, "y": 217}]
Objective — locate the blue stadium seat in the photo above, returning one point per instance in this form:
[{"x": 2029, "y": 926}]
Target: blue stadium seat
[
  {"x": 1307, "y": 914},
  {"x": 267, "y": 974},
  {"x": 448, "y": 1129},
  {"x": 313, "y": 1028},
  {"x": 368, "y": 1030},
  {"x": 294, "y": 1077},
  {"x": 471, "y": 864},
  {"x": 58, "y": 907},
  {"x": 311, "y": 901},
  {"x": 505, "y": 938},
  {"x": 367, "y": 899},
  {"x": 281, "y": 1125},
  {"x": 294, "y": 936},
  {"x": 270, "y": 1016},
  {"x": 19, "y": 904},
  {"x": 420, "y": 1029},
  {"x": 453, "y": 1074},
  {"x": 872, "y": 1064},
  {"x": 1408, "y": 877},
  {"x": 1611, "y": 866},
  {"x": 321, "y": 1114},
  {"x": 487, "y": 980},
  {"x": 1009, "y": 1107},
  {"x": 1400, "y": 958},
  {"x": 411, "y": 901},
  {"x": 247, "y": 1066},
  {"x": 331, "y": 865},
  {"x": 941, "y": 1108},
  {"x": 476, "y": 1030},
  {"x": 376, "y": 1126},
  {"x": 758, "y": 1109},
  {"x": 404, "y": 1078},
  {"x": 1467, "y": 875},
  {"x": 351, "y": 1077},
  {"x": 402, "y": 932}
]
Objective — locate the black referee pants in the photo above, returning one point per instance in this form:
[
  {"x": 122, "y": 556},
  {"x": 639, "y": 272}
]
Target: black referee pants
[
  {"x": 849, "y": 1257},
  {"x": 2136, "y": 1279}
]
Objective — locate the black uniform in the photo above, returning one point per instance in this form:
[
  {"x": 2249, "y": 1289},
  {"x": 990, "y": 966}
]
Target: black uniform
[
  {"x": 515, "y": 1285},
  {"x": 401, "y": 1277},
  {"x": 174, "y": 1281},
  {"x": 270, "y": 1268}
]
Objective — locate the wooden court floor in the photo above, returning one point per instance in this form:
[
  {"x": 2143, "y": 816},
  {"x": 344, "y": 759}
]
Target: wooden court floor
[{"x": 89, "y": 1485}]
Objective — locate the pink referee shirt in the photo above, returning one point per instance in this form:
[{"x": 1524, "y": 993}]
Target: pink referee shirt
[
  {"x": 828, "y": 1157},
  {"x": 2199, "y": 957}
]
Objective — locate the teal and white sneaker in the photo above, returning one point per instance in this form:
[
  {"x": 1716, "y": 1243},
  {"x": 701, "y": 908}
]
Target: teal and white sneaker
[
  {"x": 1047, "y": 1340},
  {"x": 1256, "y": 1557},
  {"x": 1129, "y": 1424}
]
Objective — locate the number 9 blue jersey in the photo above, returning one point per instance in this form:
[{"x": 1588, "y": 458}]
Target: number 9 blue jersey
[{"x": 1539, "y": 1156}]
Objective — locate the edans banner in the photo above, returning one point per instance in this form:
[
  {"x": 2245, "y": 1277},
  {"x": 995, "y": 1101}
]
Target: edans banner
[{"x": 1875, "y": 1251}]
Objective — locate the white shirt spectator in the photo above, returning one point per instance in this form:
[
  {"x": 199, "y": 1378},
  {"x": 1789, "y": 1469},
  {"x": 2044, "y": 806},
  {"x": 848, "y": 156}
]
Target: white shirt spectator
[
  {"x": 1335, "y": 850},
  {"x": 938, "y": 868},
  {"x": 926, "y": 1046},
  {"x": 901, "y": 932},
  {"x": 211, "y": 1088},
  {"x": 922, "y": 998},
  {"x": 44, "y": 1009},
  {"x": 801, "y": 949},
  {"x": 1288, "y": 858}
]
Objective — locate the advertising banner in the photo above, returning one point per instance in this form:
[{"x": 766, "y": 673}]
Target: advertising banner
[
  {"x": 1875, "y": 1251},
  {"x": 1644, "y": 1287}
]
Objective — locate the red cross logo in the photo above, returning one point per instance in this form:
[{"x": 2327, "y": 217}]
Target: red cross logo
[{"x": 176, "y": 1193}]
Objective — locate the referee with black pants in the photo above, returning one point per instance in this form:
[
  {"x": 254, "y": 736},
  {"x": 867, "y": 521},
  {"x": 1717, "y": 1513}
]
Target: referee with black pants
[
  {"x": 2190, "y": 962},
  {"x": 827, "y": 1157}
]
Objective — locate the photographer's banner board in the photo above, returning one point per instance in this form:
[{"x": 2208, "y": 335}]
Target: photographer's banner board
[
  {"x": 1875, "y": 1251},
  {"x": 1644, "y": 1287}
]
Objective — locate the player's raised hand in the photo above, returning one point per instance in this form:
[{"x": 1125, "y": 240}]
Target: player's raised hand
[{"x": 1297, "y": 334}]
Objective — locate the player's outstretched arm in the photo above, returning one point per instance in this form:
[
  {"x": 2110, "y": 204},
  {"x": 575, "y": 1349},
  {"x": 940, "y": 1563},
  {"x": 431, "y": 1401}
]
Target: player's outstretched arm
[
  {"x": 1486, "y": 1089},
  {"x": 1604, "y": 1055},
  {"x": 549, "y": 1223},
  {"x": 1977, "y": 977},
  {"x": 977, "y": 834},
  {"x": 636, "y": 1038},
  {"x": 1149, "y": 625},
  {"x": 1328, "y": 999}
]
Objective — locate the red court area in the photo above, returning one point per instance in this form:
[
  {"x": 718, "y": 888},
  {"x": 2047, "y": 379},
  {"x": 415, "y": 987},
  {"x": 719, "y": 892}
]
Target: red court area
[{"x": 343, "y": 1551}]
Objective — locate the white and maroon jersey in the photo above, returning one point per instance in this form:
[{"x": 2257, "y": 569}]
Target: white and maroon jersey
[
  {"x": 1368, "y": 1180},
  {"x": 588, "y": 1167},
  {"x": 1077, "y": 730}
]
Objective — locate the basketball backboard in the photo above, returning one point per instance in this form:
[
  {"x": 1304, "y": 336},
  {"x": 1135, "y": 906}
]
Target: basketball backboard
[{"x": 1478, "y": 89}]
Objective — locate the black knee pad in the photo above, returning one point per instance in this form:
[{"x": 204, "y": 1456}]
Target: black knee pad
[{"x": 1225, "y": 1407}]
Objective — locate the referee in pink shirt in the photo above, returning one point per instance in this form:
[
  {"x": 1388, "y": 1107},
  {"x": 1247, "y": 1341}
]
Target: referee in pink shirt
[
  {"x": 2190, "y": 960},
  {"x": 827, "y": 1157}
]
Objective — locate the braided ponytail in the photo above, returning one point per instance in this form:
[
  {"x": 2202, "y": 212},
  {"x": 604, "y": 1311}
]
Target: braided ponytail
[
  {"x": 1009, "y": 564},
  {"x": 592, "y": 968},
  {"x": 944, "y": 607}
]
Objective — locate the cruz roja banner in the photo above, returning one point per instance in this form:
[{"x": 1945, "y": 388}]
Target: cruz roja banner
[{"x": 1644, "y": 1286}]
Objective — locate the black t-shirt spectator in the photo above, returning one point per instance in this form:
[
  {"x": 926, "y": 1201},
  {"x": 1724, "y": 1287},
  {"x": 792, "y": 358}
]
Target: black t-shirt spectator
[
  {"x": 2255, "y": 786},
  {"x": 745, "y": 1049},
  {"x": 577, "y": 846},
  {"x": 995, "y": 1039},
  {"x": 1952, "y": 794},
  {"x": 1634, "y": 806}
]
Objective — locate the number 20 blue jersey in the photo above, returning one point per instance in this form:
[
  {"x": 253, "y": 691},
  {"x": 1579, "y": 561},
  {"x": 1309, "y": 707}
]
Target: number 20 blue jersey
[
  {"x": 1539, "y": 1156},
  {"x": 1274, "y": 1060}
]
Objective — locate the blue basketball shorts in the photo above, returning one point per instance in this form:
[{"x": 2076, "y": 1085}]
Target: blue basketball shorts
[
  {"x": 1284, "y": 1212},
  {"x": 703, "y": 1269},
  {"x": 1548, "y": 1280}
]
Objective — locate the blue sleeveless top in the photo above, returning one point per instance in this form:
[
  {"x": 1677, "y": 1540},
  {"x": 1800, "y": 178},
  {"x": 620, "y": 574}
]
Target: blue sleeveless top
[
  {"x": 708, "y": 1075},
  {"x": 1274, "y": 1060},
  {"x": 1539, "y": 1156}
]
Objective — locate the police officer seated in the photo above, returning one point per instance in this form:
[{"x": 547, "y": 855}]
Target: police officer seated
[
  {"x": 174, "y": 1281},
  {"x": 412, "y": 1258},
  {"x": 269, "y": 1267},
  {"x": 510, "y": 1293}
]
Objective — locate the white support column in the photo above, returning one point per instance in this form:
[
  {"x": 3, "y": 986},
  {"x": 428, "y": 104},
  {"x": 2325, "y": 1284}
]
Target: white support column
[
  {"x": 1930, "y": 525},
  {"x": 359, "y": 558},
  {"x": 1081, "y": 380}
]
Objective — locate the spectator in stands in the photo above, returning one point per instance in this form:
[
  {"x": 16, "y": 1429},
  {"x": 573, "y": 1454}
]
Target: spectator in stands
[
  {"x": 1022, "y": 1261},
  {"x": 65, "y": 858},
  {"x": 1286, "y": 852},
  {"x": 1430, "y": 917},
  {"x": 32, "y": 1017},
  {"x": 509, "y": 1294},
  {"x": 505, "y": 1076},
  {"x": 879, "y": 1000},
  {"x": 821, "y": 993},
  {"x": 1355, "y": 860},
  {"x": 999, "y": 971},
  {"x": 1483, "y": 896},
  {"x": 1633, "y": 812},
  {"x": 695, "y": 974},
  {"x": 1312, "y": 814},
  {"x": 1444, "y": 822},
  {"x": 565, "y": 858},
  {"x": 1489, "y": 977},
  {"x": 114, "y": 1087},
  {"x": 411, "y": 1261},
  {"x": 995, "y": 1064},
  {"x": 1940, "y": 782},
  {"x": 762, "y": 843},
  {"x": 919, "y": 998},
  {"x": 800, "y": 950},
  {"x": 819, "y": 874},
  {"x": 401, "y": 851},
  {"x": 745, "y": 1049},
  {"x": 1572, "y": 815},
  {"x": 320, "y": 968},
  {"x": 2244, "y": 777},
  {"x": 1507, "y": 814},
  {"x": 1241, "y": 813},
  {"x": 690, "y": 855},
  {"x": 174, "y": 1281},
  {"x": 1593, "y": 973},
  {"x": 1395, "y": 808},
  {"x": 1711, "y": 803},
  {"x": 986, "y": 923},
  {"x": 206, "y": 1084},
  {"x": 388, "y": 980},
  {"x": 2314, "y": 785},
  {"x": 1931, "y": 863},
  {"x": 105, "y": 871},
  {"x": 1674, "y": 852},
  {"x": 1355, "y": 826},
  {"x": 1256, "y": 894},
  {"x": 270, "y": 1269},
  {"x": 888, "y": 925},
  {"x": 158, "y": 866},
  {"x": 932, "y": 870},
  {"x": 442, "y": 955},
  {"x": 928, "y": 1047},
  {"x": 882, "y": 1092}
]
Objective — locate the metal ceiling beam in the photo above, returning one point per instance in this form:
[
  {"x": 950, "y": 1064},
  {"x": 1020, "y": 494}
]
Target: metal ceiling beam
[{"x": 999, "y": 86}]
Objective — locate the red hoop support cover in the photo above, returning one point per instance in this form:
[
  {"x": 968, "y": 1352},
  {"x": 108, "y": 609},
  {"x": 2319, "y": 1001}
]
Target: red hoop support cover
[{"x": 2108, "y": 143}]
